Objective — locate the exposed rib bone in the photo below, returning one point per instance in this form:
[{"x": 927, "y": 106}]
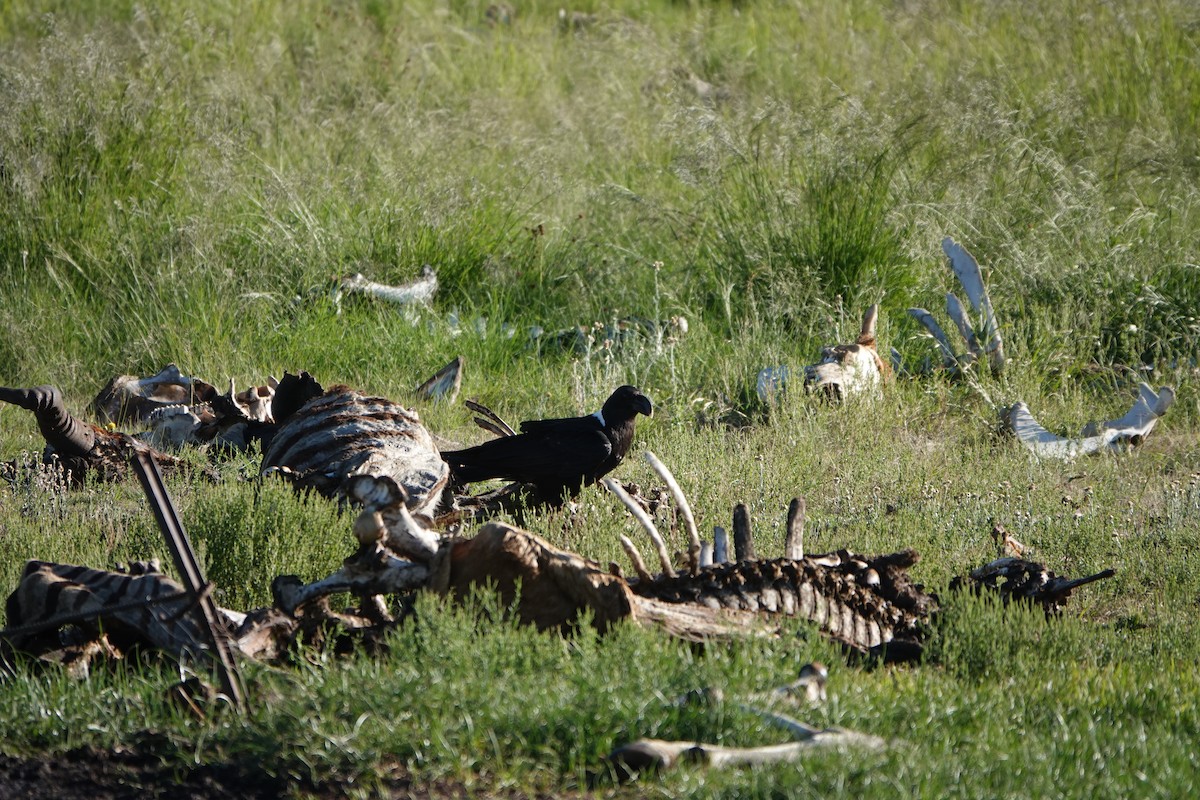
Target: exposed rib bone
[
  {"x": 635, "y": 556},
  {"x": 949, "y": 359},
  {"x": 685, "y": 510},
  {"x": 720, "y": 545},
  {"x": 966, "y": 269},
  {"x": 793, "y": 546},
  {"x": 489, "y": 420},
  {"x": 644, "y": 520},
  {"x": 958, "y": 316}
]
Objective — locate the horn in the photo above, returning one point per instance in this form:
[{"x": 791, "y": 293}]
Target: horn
[{"x": 63, "y": 432}]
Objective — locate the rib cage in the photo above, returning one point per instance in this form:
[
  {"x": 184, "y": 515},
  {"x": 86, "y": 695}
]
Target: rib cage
[
  {"x": 862, "y": 601},
  {"x": 343, "y": 433}
]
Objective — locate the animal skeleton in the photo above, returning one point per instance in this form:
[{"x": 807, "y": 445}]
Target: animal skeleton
[{"x": 844, "y": 371}]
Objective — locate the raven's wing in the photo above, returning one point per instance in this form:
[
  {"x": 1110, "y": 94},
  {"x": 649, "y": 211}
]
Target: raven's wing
[{"x": 563, "y": 453}]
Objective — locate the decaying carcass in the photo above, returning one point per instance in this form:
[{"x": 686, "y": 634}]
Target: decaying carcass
[
  {"x": 342, "y": 433},
  {"x": 79, "y": 448},
  {"x": 1123, "y": 433},
  {"x": 1023, "y": 580},
  {"x": 844, "y": 371}
]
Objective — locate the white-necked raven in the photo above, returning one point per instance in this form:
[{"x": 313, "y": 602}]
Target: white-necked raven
[{"x": 557, "y": 457}]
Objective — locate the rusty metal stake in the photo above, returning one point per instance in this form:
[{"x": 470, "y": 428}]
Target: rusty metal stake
[{"x": 191, "y": 575}]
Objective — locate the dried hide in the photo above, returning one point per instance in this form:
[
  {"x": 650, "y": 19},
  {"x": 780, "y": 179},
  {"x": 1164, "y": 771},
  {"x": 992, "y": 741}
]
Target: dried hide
[
  {"x": 844, "y": 371},
  {"x": 343, "y": 433},
  {"x": 139, "y": 607},
  {"x": 1019, "y": 579},
  {"x": 1120, "y": 434},
  {"x": 129, "y": 399}
]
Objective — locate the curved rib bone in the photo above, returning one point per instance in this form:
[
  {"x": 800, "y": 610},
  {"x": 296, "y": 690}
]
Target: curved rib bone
[{"x": 684, "y": 509}]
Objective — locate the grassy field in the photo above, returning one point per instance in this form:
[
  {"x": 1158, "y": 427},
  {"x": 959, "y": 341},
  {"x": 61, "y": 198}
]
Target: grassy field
[{"x": 185, "y": 182}]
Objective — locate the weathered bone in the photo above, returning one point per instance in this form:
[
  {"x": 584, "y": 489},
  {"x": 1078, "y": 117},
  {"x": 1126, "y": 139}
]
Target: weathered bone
[
  {"x": 644, "y": 520},
  {"x": 743, "y": 538},
  {"x": 417, "y": 292},
  {"x": 130, "y": 399},
  {"x": 1019, "y": 579},
  {"x": 966, "y": 269},
  {"x": 344, "y": 433},
  {"x": 370, "y": 571},
  {"x": 720, "y": 545},
  {"x": 681, "y": 504},
  {"x": 443, "y": 384},
  {"x": 793, "y": 546},
  {"x": 949, "y": 359},
  {"x": 1129, "y": 430},
  {"x": 958, "y": 315},
  {"x": 635, "y": 557},
  {"x": 651, "y": 755}
]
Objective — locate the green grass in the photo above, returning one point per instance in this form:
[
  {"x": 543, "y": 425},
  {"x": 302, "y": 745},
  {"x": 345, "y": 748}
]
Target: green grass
[{"x": 185, "y": 182}]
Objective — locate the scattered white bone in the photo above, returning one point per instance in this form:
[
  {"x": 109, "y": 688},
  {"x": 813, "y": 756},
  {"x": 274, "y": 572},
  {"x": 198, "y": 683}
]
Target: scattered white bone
[
  {"x": 443, "y": 384},
  {"x": 1127, "y": 431},
  {"x": 171, "y": 427},
  {"x": 418, "y": 292},
  {"x": 966, "y": 269},
  {"x": 644, "y": 520}
]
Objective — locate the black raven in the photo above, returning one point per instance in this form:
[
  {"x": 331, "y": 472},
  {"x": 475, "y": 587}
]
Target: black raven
[{"x": 557, "y": 457}]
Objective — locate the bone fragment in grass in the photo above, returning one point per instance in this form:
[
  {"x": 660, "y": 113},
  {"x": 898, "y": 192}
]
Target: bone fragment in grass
[
  {"x": 369, "y": 572},
  {"x": 793, "y": 546},
  {"x": 1128, "y": 430},
  {"x": 706, "y": 555},
  {"x": 684, "y": 508},
  {"x": 644, "y": 520}
]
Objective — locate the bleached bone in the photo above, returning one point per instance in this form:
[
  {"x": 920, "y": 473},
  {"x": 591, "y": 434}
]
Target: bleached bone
[
  {"x": 683, "y": 507},
  {"x": 644, "y": 520},
  {"x": 171, "y": 426},
  {"x": 809, "y": 685},
  {"x": 793, "y": 546},
  {"x": 635, "y": 557},
  {"x": 706, "y": 555},
  {"x": 720, "y": 545},
  {"x": 958, "y": 315},
  {"x": 444, "y": 384},
  {"x": 650, "y": 755},
  {"x": 403, "y": 535},
  {"x": 417, "y": 292},
  {"x": 845, "y": 370},
  {"x": 966, "y": 269},
  {"x": 1130, "y": 430},
  {"x": 949, "y": 359}
]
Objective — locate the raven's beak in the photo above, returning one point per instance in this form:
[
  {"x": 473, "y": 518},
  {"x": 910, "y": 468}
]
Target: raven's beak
[{"x": 641, "y": 403}]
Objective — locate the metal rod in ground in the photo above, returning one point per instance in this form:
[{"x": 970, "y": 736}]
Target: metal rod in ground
[{"x": 191, "y": 575}]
